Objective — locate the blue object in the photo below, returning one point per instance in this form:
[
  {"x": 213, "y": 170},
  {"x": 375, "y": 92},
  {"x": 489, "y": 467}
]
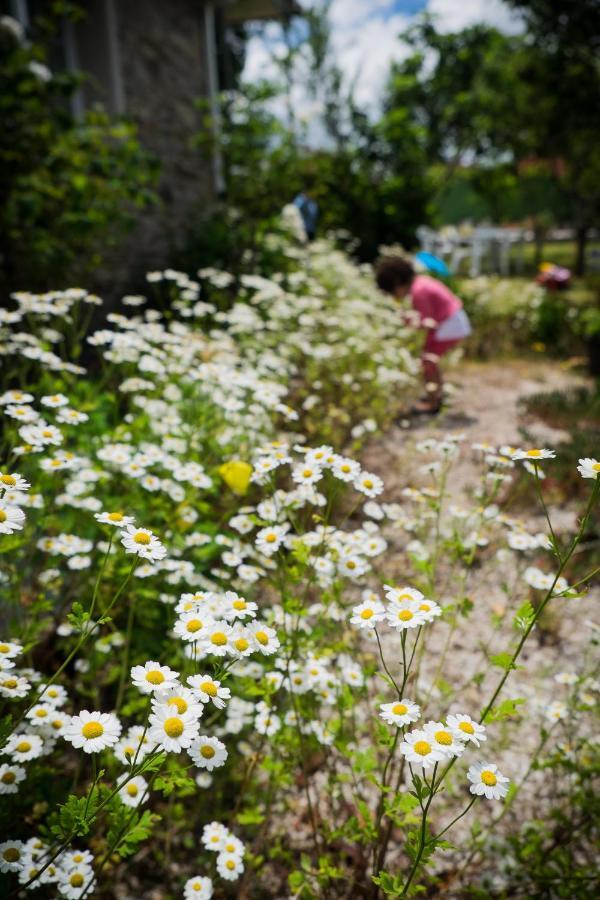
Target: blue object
[{"x": 433, "y": 263}]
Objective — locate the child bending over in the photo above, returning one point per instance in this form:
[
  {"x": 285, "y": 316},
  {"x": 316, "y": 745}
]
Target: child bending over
[{"x": 440, "y": 313}]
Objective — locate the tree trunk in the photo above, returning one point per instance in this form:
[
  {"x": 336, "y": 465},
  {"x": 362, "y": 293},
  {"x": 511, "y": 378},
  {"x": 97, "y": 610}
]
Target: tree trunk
[{"x": 581, "y": 241}]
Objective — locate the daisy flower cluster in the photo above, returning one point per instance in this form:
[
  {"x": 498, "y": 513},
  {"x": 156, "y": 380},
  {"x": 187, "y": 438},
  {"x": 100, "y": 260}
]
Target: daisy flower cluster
[{"x": 71, "y": 873}]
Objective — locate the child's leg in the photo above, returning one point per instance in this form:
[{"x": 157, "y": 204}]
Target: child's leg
[{"x": 432, "y": 374}]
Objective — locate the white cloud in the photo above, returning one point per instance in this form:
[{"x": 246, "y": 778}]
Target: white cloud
[
  {"x": 453, "y": 15},
  {"x": 365, "y": 41}
]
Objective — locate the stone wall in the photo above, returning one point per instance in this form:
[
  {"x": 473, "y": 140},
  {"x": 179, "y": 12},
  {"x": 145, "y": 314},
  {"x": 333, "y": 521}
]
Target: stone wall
[{"x": 163, "y": 72}]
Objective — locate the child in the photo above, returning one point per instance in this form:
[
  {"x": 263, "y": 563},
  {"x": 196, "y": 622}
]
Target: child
[{"x": 440, "y": 313}]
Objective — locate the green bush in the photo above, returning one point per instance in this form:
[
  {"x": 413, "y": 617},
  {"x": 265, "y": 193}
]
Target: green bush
[{"x": 65, "y": 184}]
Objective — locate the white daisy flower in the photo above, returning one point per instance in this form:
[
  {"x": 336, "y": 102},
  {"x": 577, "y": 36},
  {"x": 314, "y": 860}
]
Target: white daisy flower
[
  {"x": 10, "y": 649},
  {"x": 55, "y": 400},
  {"x": 40, "y": 714},
  {"x": 236, "y": 607},
  {"x": 269, "y": 540},
  {"x": 192, "y": 626},
  {"x": 407, "y": 615},
  {"x": 208, "y": 752},
  {"x": 217, "y": 639},
  {"x": 345, "y": 469},
  {"x": 15, "y": 686},
  {"x": 402, "y": 712},
  {"x": 200, "y": 887},
  {"x": 588, "y": 467},
  {"x": 307, "y": 473},
  {"x": 76, "y": 883},
  {"x": 23, "y": 747},
  {"x": 487, "y": 781},
  {"x": 368, "y": 484},
  {"x": 465, "y": 728},
  {"x": 534, "y": 454},
  {"x": 152, "y": 677},
  {"x": 54, "y": 694},
  {"x": 92, "y": 731},
  {"x": 143, "y": 542},
  {"x": 11, "y": 856},
  {"x": 402, "y": 595},
  {"x": 10, "y": 778},
  {"x": 13, "y": 482},
  {"x": 134, "y": 791},
  {"x": 419, "y": 750},
  {"x": 229, "y": 866},
  {"x": 214, "y": 835},
  {"x": 114, "y": 518},
  {"x": 209, "y": 690},
  {"x": 134, "y": 746},
  {"x": 367, "y": 614},
  {"x": 265, "y": 638},
  {"x": 443, "y": 738},
  {"x": 11, "y": 518},
  {"x": 182, "y": 699},
  {"x": 171, "y": 731}
]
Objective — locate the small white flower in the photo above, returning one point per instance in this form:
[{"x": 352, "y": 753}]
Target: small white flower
[
  {"x": 534, "y": 455},
  {"x": 10, "y": 778},
  {"x": 229, "y": 866},
  {"x": 465, "y": 728},
  {"x": 588, "y": 468},
  {"x": 152, "y": 678},
  {"x": 11, "y": 856},
  {"x": 449, "y": 742},
  {"x": 11, "y": 518},
  {"x": 208, "y": 753},
  {"x": 171, "y": 731},
  {"x": 367, "y": 614},
  {"x": 114, "y": 518},
  {"x": 209, "y": 690},
  {"x": 143, "y": 542},
  {"x": 420, "y": 750},
  {"x": 134, "y": 791},
  {"x": 92, "y": 731},
  {"x": 487, "y": 781},
  {"x": 402, "y": 712},
  {"x": 200, "y": 887}
]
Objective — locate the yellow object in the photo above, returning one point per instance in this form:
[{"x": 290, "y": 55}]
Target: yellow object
[{"x": 236, "y": 475}]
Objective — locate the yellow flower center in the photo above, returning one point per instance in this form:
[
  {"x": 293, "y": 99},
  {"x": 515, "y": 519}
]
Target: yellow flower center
[
  {"x": 345, "y": 468},
  {"x": 9, "y": 777},
  {"x": 262, "y": 637},
  {"x": 239, "y": 604},
  {"x": 180, "y": 703},
  {"x": 3, "y": 516},
  {"x": 173, "y": 727},
  {"x": 219, "y": 639},
  {"x": 488, "y": 778},
  {"x": 350, "y": 564},
  {"x": 155, "y": 676},
  {"x": 8, "y": 479},
  {"x": 425, "y": 607},
  {"x": 207, "y": 751},
  {"x": 307, "y": 473},
  {"x": 56, "y": 724},
  {"x": 11, "y": 854},
  {"x": 241, "y": 644},
  {"x": 466, "y": 727},
  {"x": 207, "y": 687},
  {"x": 41, "y": 713},
  {"x": 140, "y": 537},
  {"x": 270, "y": 539},
  {"x": 115, "y": 517},
  {"x": 52, "y": 692},
  {"x": 23, "y": 747},
  {"x": 399, "y": 709},
  {"x": 4, "y": 648},
  {"x": 194, "y": 625},
  {"x": 443, "y": 737},
  {"x": 76, "y": 880},
  {"x": 367, "y": 483},
  {"x": 92, "y": 730},
  {"x": 10, "y": 683},
  {"x": 405, "y": 615},
  {"x": 132, "y": 790},
  {"x": 230, "y": 864},
  {"x": 534, "y": 453},
  {"x": 366, "y": 614},
  {"x": 422, "y": 748},
  {"x": 596, "y": 467}
]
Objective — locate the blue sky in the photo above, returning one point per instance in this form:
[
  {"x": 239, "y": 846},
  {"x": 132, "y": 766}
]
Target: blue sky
[{"x": 365, "y": 38}]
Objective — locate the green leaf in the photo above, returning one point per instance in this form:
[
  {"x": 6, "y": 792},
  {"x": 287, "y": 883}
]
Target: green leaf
[
  {"x": 505, "y": 710},
  {"x": 503, "y": 661}
]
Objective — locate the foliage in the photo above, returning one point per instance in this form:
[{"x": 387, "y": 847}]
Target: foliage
[
  {"x": 65, "y": 185},
  {"x": 282, "y": 552}
]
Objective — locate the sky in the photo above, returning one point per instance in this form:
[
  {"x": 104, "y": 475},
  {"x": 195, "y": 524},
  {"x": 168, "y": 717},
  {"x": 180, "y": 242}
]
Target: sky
[{"x": 365, "y": 38}]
